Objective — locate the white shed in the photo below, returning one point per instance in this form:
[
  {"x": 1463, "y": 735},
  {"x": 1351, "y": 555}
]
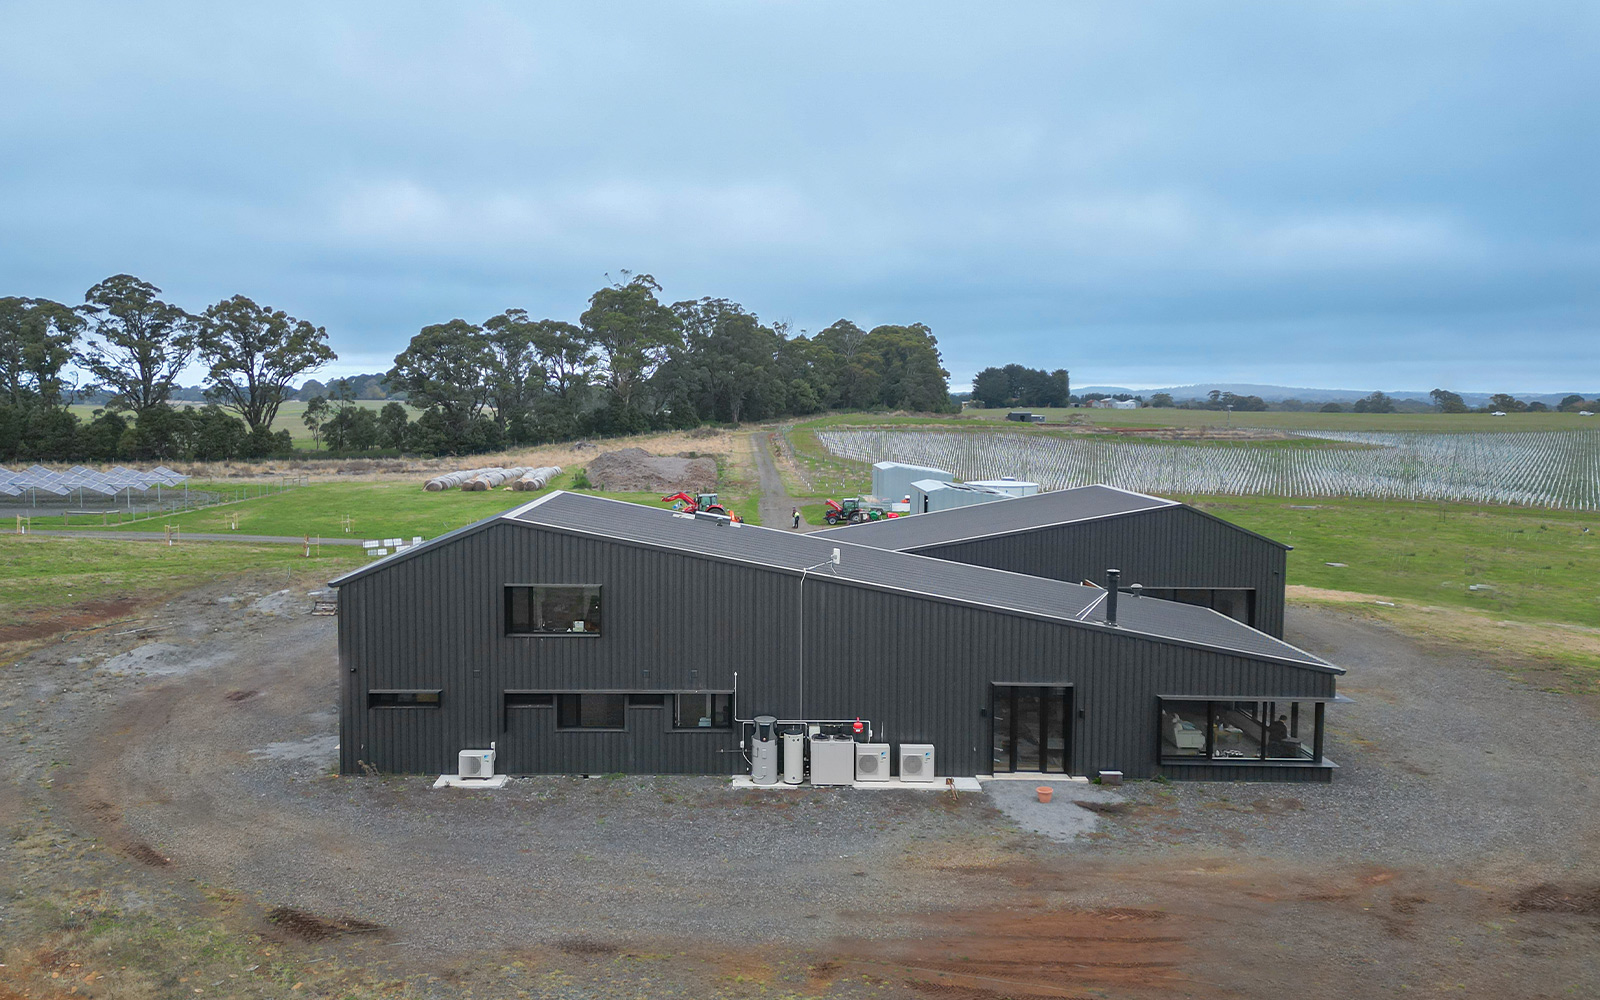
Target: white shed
[
  {"x": 892, "y": 480},
  {"x": 929, "y": 495}
]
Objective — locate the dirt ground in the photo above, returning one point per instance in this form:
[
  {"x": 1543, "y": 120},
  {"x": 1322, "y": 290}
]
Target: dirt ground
[{"x": 173, "y": 827}]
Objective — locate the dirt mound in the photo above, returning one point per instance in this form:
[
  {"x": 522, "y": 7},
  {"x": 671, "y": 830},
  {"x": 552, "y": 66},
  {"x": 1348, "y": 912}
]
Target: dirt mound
[{"x": 634, "y": 470}]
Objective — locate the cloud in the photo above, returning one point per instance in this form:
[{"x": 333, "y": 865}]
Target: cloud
[{"x": 1327, "y": 190}]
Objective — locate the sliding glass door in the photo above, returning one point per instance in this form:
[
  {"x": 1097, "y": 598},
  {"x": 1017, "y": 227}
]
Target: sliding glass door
[{"x": 1030, "y": 728}]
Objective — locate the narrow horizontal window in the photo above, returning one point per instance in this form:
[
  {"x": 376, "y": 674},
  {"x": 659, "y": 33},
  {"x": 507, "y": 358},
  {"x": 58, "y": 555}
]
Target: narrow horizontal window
[
  {"x": 1238, "y": 603},
  {"x": 418, "y": 698},
  {"x": 702, "y": 711},
  {"x": 592, "y": 711},
  {"x": 529, "y": 699},
  {"x": 552, "y": 610}
]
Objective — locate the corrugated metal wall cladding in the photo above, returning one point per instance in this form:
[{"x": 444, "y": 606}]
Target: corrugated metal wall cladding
[
  {"x": 1165, "y": 547},
  {"x": 920, "y": 669}
]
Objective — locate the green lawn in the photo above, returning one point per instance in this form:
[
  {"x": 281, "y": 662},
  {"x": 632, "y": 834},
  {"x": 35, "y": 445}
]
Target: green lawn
[
  {"x": 40, "y": 574},
  {"x": 375, "y": 510},
  {"x": 1534, "y": 565},
  {"x": 288, "y": 418}
]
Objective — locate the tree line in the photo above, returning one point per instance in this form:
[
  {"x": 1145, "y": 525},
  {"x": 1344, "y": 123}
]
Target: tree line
[
  {"x": 125, "y": 341},
  {"x": 630, "y": 363}
]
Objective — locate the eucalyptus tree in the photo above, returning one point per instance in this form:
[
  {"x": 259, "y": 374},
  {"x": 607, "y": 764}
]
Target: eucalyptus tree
[
  {"x": 36, "y": 338},
  {"x": 254, "y": 354},
  {"x": 445, "y": 367},
  {"x": 138, "y": 343},
  {"x": 633, "y": 333},
  {"x": 515, "y": 378}
]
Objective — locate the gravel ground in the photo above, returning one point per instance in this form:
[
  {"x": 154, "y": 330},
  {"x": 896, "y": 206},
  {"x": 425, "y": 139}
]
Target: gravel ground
[
  {"x": 1064, "y": 817},
  {"x": 1445, "y": 759},
  {"x": 201, "y": 748}
]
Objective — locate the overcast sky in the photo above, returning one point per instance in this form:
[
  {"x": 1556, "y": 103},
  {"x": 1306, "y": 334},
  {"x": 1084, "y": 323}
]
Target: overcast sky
[{"x": 1357, "y": 195}]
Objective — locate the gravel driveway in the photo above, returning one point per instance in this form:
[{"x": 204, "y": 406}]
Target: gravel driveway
[{"x": 1458, "y": 840}]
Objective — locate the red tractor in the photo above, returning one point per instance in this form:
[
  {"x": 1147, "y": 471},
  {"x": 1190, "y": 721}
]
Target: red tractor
[{"x": 699, "y": 502}]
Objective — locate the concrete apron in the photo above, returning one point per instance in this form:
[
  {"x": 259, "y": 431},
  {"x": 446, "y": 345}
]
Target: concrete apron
[{"x": 893, "y": 784}]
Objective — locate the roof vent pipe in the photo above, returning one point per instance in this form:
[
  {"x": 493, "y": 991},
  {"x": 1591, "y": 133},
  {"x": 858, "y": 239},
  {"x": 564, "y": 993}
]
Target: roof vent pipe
[{"x": 1113, "y": 578}]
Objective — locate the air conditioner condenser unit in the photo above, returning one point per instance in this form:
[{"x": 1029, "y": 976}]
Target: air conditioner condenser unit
[
  {"x": 916, "y": 762},
  {"x": 872, "y": 762},
  {"x": 475, "y": 764}
]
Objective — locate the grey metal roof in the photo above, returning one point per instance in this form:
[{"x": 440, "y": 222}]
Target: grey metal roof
[
  {"x": 905, "y": 465},
  {"x": 884, "y": 569},
  {"x": 1000, "y": 517},
  {"x": 929, "y": 485}
]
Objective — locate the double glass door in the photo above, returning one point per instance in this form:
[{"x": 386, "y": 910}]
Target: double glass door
[{"x": 1030, "y": 727}]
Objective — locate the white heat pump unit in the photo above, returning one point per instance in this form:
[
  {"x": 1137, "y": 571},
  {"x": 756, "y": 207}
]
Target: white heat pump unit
[
  {"x": 872, "y": 762},
  {"x": 916, "y": 762},
  {"x": 475, "y": 764}
]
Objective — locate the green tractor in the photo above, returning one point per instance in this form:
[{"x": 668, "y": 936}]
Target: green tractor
[{"x": 854, "y": 510}]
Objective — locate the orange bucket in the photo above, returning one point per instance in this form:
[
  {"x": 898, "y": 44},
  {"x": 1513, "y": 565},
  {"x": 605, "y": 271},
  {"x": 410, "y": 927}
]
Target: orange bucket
[{"x": 1045, "y": 791}]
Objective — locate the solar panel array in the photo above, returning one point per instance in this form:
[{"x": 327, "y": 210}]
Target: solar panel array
[{"x": 79, "y": 479}]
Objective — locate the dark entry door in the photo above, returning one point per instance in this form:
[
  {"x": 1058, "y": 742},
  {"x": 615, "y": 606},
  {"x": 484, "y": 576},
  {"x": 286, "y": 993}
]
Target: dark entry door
[{"x": 1031, "y": 727}]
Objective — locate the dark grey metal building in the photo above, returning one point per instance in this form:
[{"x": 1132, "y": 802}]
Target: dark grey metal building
[
  {"x": 585, "y": 635},
  {"x": 1174, "y": 551}
]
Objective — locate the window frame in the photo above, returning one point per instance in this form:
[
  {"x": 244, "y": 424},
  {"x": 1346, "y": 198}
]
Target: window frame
[
  {"x": 435, "y": 704},
  {"x": 1171, "y": 594},
  {"x": 507, "y": 616},
  {"x": 562, "y": 728},
  {"x": 507, "y": 705},
  {"x": 1269, "y": 707},
  {"x": 710, "y": 704}
]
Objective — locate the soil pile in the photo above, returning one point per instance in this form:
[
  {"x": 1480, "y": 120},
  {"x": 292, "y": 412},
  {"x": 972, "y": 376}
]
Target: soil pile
[{"x": 636, "y": 470}]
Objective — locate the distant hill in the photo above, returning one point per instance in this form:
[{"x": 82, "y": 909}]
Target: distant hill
[{"x": 1278, "y": 393}]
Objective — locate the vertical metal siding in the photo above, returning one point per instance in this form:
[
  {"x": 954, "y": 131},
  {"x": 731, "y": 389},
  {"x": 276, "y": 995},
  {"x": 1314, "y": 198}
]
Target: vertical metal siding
[
  {"x": 1164, "y": 547},
  {"x": 919, "y": 668}
]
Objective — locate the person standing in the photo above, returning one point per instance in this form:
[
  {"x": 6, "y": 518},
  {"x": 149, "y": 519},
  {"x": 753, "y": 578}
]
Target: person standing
[{"x": 795, "y": 514}]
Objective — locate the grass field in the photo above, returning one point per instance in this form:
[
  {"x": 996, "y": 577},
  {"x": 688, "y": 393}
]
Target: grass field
[
  {"x": 40, "y": 574},
  {"x": 1271, "y": 420},
  {"x": 1532, "y": 565},
  {"x": 288, "y": 418},
  {"x": 383, "y": 509}
]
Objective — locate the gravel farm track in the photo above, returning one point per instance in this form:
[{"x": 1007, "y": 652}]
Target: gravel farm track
[{"x": 177, "y": 766}]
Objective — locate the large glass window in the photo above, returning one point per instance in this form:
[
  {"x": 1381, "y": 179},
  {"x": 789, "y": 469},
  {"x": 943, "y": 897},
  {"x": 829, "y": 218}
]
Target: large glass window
[
  {"x": 702, "y": 711},
  {"x": 592, "y": 711},
  {"x": 553, "y": 610},
  {"x": 1241, "y": 730},
  {"x": 1184, "y": 725}
]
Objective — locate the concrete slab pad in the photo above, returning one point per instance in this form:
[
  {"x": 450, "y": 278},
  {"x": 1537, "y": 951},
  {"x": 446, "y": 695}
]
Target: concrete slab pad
[
  {"x": 1058, "y": 819},
  {"x": 1037, "y": 779},
  {"x": 451, "y": 781},
  {"x": 893, "y": 784}
]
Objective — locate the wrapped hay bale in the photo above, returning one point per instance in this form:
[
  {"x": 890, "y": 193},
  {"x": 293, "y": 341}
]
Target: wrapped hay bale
[{"x": 536, "y": 479}]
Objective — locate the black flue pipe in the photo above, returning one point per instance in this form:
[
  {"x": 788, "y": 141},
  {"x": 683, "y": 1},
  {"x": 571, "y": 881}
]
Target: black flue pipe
[{"x": 1113, "y": 579}]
